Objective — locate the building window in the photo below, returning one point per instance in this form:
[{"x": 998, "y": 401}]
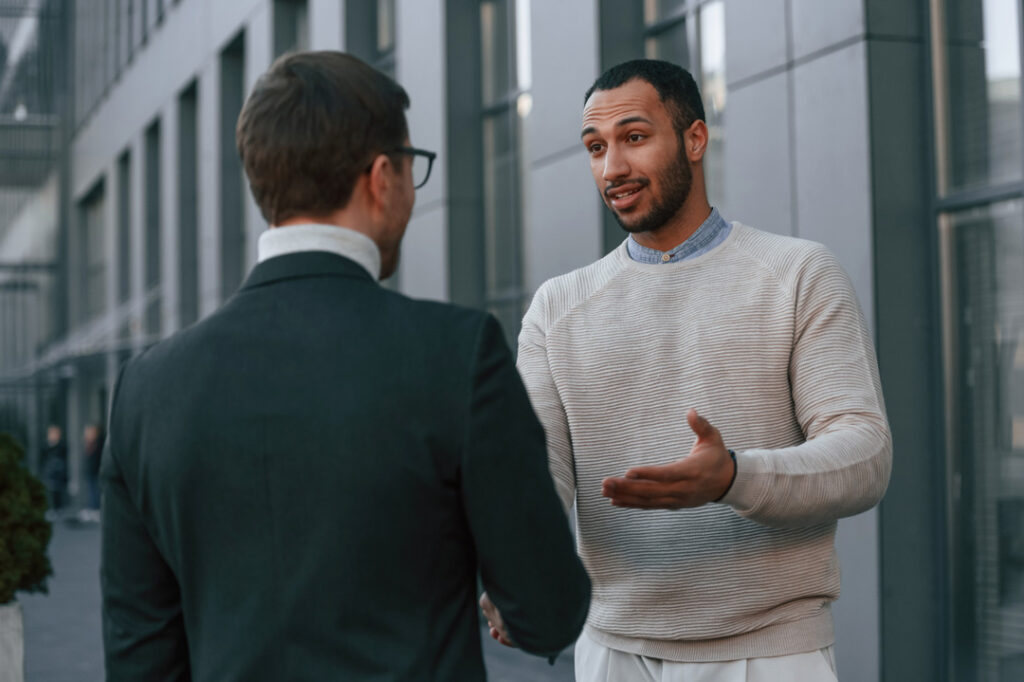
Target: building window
[
  {"x": 188, "y": 207},
  {"x": 501, "y": 95},
  {"x": 291, "y": 26},
  {"x": 979, "y": 107},
  {"x": 370, "y": 33},
  {"x": 665, "y": 31},
  {"x": 232, "y": 196},
  {"x": 93, "y": 298},
  {"x": 979, "y": 199},
  {"x": 152, "y": 213},
  {"x": 124, "y": 227},
  {"x": 490, "y": 62}
]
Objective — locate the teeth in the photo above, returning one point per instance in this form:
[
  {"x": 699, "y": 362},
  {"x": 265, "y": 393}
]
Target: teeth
[{"x": 625, "y": 194}]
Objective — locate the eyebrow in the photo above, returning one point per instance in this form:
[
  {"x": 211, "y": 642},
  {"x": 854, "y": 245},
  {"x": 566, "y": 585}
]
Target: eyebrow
[{"x": 624, "y": 122}]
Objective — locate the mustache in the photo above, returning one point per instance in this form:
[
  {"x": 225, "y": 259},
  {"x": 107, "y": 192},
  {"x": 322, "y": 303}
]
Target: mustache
[{"x": 643, "y": 182}]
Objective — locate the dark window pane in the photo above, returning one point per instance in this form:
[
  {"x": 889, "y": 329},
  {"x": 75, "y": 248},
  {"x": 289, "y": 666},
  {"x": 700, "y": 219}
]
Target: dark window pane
[
  {"x": 987, "y": 463},
  {"x": 496, "y": 50},
  {"x": 655, "y": 10},
  {"x": 983, "y": 133}
]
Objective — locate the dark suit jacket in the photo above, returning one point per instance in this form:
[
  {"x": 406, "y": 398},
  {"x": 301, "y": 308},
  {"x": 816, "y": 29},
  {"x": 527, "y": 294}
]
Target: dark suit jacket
[{"x": 304, "y": 486}]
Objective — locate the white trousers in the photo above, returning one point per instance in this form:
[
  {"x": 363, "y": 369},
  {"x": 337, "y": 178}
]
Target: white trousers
[{"x": 597, "y": 663}]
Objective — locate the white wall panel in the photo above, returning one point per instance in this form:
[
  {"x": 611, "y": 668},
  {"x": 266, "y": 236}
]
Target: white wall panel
[
  {"x": 832, "y": 161},
  {"x": 758, "y": 155},
  {"x": 563, "y": 226},
  {"x": 423, "y": 269},
  {"x": 564, "y": 64},
  {"x": 755, "y": 37},
  {"x": 817, "y": 25}
]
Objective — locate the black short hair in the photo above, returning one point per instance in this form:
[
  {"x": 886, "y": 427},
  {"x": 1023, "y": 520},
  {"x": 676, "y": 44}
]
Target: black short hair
[
  {"x": 311, "y": 126},
  {"x": 674, "y": 84}
]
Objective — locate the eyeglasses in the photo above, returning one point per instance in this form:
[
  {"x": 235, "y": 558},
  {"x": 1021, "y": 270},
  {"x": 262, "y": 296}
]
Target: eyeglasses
[{"x": 422, "y": 163}]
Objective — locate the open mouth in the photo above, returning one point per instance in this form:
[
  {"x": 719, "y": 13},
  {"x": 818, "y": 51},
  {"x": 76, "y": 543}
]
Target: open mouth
[{"x": 624, "y": 195}]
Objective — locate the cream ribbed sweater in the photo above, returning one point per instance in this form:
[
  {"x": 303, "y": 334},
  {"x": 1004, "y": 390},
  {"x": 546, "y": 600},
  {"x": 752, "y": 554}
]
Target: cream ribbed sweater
[{"x": 763, "y": 335}]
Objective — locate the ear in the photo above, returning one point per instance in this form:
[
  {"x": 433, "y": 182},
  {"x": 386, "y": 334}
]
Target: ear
[
  {"x": 381, "y": 179},
  {"x": 696, "y": 140}
]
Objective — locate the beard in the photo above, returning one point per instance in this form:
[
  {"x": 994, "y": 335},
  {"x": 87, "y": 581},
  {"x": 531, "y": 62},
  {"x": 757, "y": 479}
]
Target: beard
[{"x": 675, "y": 181}]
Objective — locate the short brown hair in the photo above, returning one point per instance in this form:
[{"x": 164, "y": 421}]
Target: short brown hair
[{"x": 312, "y": 125}]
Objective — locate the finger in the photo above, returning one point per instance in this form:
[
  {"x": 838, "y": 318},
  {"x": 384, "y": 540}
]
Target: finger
[
  {"x": 618, "y": 487},
  {"x": 633, "y": 502},
  {"x": 663, "y": 473},
  {"x": 699, "y": 425}
]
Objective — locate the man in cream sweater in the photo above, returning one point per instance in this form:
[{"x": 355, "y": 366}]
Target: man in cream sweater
[{"x": 712, "y": 406}]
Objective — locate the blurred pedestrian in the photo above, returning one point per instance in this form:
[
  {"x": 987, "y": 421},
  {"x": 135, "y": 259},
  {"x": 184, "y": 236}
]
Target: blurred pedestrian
[
  {"x": 54, "y": 461},
  {"x": 93, "y": 438},
  {"x": 305, "y": 484}
]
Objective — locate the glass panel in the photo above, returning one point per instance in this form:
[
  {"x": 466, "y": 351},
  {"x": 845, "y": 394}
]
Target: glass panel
[
  {"x": 495, "y": 51},
  {"x": 524, "y": 48},
  {"x": 291, "y": 26},
  {"x": 152, "y": 212},
  {"x": 712, "y": 85},
  {"x": 655, "y": 10},
  {"x": 124, "y": 228},
  {"x": 983, "y": 100},
  {"x": 94, "y": 266},
  {"x": 385, "y": 25},
  {"x": 670, "y": 45},
  {"x": 502, "y": 291},
  {"x": 987, "y": 463}
]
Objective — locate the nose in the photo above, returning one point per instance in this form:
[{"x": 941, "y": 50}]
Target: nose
[{"x": 615, "y": 165}]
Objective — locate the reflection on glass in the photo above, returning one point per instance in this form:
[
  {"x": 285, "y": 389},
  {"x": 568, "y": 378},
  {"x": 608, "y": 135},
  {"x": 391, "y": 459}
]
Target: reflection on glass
[
  {"x": 503, "y": 292},
  {"x": 93, "y": 256},
  {"x": 385, "y": 25},
  {"x": 524, "y": 49},
  {"x": 983, "y": 137},
  {"x": 495, "y": 50},
  {"x": 712, "y": 80},
  {"x": 987, "y": 458},
  {"x": 669, "y": 45},
  {"x": 655, "y": 10}
]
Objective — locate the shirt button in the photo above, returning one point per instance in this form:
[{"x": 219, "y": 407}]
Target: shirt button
[{"x": 665, "y": 258}]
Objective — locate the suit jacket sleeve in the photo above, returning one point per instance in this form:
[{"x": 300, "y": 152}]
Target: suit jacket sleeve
[
  {"x": 143, "y": 630},
  {"x": 527, "y": 557}
]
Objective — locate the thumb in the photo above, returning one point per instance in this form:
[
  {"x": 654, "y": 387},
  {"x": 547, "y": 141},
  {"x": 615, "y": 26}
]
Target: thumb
[{"x": 700, "y": 426}]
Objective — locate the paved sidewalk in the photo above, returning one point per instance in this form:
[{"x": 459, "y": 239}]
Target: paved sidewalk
[{"x": 63, "y": 642}]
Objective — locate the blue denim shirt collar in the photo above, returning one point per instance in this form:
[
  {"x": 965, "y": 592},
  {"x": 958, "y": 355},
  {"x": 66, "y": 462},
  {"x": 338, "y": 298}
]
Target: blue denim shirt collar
[{"x": 710, "y": 234}]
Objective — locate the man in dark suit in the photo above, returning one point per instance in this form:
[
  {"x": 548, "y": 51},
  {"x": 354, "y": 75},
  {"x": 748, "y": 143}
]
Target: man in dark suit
[{"x": 306, "y": 484}]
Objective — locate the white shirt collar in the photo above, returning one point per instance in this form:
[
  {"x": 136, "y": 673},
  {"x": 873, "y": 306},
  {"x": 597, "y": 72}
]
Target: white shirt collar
[{"x": 278, "y": 241}]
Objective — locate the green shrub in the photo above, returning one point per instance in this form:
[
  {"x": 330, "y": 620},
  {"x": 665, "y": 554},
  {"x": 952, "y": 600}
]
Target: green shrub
[{"x": 24, "y": 530}]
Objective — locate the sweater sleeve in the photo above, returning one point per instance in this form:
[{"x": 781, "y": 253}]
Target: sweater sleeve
[
  {"x": 536, "y": 373},
  {"x": 843, "y": 466}
]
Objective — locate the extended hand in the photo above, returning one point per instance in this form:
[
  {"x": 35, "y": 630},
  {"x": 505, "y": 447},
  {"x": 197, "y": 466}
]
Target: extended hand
[
  {"x": 494, "y": 620},
  {"x": 703, "y": 476}
]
